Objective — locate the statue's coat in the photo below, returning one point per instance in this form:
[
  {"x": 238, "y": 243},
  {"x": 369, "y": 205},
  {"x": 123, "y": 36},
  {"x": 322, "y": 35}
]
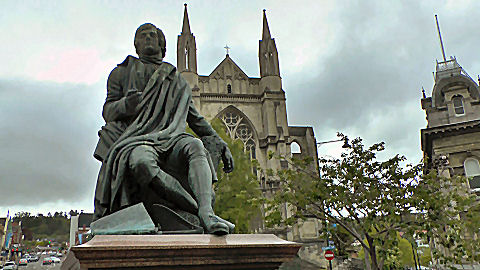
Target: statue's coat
[{"x": 159, "y": 121}]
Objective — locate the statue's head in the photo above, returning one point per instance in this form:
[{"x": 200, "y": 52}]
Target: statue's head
[{"x": 150, "y": 40}]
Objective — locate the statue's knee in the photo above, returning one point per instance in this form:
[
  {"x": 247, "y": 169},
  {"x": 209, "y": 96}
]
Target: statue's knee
[
  {"x": 197, "y": 144},
  {"x": 141, "y": 158},
  {"x": 196, "y": 149}
]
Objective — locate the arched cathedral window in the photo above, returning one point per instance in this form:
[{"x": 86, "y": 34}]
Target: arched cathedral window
[
  {"x": 229, "y": 88},
  {"x": 295, "y": 148},
  {"x": 238, "y": 128},
  {"x": 186, "y": 59}
]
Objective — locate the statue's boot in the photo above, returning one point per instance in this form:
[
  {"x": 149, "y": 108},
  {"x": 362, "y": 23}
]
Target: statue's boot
[
  {"x": 168, "y": 187},
  {"x": 211, "y": 223},
  {"x": 230, "y": 225},
  {"x": 200, "y": 180}
]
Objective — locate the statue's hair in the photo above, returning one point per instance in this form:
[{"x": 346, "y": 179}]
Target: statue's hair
[{"x": 161, "y": 37}]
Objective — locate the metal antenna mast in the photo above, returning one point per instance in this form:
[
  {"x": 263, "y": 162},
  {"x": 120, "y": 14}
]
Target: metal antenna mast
[{"x": 441, "y": 42}]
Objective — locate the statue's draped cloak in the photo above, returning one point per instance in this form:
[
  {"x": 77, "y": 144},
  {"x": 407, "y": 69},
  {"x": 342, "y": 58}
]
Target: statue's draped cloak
[{"x": 160, "y": 123}]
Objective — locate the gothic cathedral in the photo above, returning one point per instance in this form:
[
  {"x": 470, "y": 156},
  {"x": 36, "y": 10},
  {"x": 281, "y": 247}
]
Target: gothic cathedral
[{"x": 252, "y": 109}]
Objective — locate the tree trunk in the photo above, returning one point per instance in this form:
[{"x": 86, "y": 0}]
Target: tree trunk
[
  {"x": 367, "y": 261},
  {"x": 373, "y": 255}
]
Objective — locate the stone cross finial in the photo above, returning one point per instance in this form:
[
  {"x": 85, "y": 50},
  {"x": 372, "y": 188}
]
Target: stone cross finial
[{"x": 226, "y": 48}]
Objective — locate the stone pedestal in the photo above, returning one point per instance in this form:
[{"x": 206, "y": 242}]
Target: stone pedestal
[{"x": 194, "y": 251}]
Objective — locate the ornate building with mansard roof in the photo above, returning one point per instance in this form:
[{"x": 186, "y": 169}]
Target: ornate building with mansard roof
[{"x": 451, "y": 140}]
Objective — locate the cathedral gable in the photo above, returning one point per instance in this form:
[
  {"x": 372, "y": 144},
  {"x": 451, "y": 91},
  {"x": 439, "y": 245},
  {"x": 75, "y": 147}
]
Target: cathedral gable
[{"x": 228, "y": 69}]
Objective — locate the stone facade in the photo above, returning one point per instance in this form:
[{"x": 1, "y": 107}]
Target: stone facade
[
  {"x": 254, "y": 111},
  {"x": 451, "y": 141}
]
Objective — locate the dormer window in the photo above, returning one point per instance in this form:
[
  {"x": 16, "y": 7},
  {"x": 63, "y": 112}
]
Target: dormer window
[
  {"x": 229, "y": 88},
  {"x": 458, "y": 105}
]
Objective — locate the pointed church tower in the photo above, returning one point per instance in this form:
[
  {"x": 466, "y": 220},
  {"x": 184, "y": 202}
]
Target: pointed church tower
[
  {"x": 187, "y": 53},
  {"x": 274, "y": 137},
  {"x": 268, "y": 60},
  {"x": 267, "y": 52}
]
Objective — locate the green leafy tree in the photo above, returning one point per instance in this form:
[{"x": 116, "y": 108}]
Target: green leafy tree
[
  {"x": 55, "y": 227},
  {"x": 425, "y": 256},
  {"x": 373, "y": 200},
  {"x": 343, "y": 241},
  {"x": 471, "y": 220},
  {"x": 238, "y": 196},
  {"x": 400, "y": 256},
  {"x": 406, "y": 252},
  {"x": 449, "y": 219}
]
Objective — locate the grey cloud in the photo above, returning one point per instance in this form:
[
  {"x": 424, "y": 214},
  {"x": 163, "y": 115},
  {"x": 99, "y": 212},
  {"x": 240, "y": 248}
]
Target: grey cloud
[
  {"x": 369, "y": 84},
  {"x": 48, "y": 134},
  {"x": 366, "y": 82}
]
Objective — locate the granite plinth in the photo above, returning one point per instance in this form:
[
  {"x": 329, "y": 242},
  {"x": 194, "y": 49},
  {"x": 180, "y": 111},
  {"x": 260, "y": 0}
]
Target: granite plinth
[{"x": 195, "y": 251}]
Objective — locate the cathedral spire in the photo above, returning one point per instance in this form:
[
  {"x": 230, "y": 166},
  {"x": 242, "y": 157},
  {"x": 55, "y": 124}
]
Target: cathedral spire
[
  {"x": 266, "y": 31},
  {"x": 186, "y": 47},
  {"x": 186, "y": 23},
  {"x": 267, "y": 52}
]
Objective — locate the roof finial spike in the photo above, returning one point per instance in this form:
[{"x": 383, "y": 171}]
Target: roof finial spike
[
  {"x": 441, "y": 42},
  {"x": 423, "y": 92},
  {"x": 186, "y": 23},
  {"x": 266, "y": 30}
]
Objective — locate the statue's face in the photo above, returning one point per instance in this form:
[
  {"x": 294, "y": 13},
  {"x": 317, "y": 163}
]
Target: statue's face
[{"x": 147, "y": 42}]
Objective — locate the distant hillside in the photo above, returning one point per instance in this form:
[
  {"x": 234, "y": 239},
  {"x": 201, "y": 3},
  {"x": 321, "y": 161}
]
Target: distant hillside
[{"x": 53, "y": 227}]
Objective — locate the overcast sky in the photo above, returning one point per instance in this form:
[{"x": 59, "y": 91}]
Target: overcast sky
[{"x": 351, "y": 66}]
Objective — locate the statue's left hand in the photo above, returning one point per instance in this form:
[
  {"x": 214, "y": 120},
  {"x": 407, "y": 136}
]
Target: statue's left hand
[{"x": 227, "y": 159}]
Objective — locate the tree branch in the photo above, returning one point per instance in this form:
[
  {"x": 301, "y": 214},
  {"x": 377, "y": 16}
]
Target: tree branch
[{"x": 332, "y": 218}]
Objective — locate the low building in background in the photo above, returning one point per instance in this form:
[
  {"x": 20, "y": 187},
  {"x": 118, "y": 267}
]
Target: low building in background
[
  {"x": 2, "y": 233},
  {"x": 80, "y": 228},
  {"x": 17, "y": 235}
]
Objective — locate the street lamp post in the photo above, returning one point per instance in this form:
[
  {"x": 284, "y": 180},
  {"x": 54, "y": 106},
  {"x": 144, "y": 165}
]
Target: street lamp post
[{"x": 325, "y": 223}]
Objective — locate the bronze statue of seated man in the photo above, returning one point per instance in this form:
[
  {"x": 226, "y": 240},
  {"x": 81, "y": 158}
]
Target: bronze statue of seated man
[{"x": 144, "y": 149}]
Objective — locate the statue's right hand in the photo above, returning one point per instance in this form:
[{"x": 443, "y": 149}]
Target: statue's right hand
[{"x": 133, "y": 99}]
